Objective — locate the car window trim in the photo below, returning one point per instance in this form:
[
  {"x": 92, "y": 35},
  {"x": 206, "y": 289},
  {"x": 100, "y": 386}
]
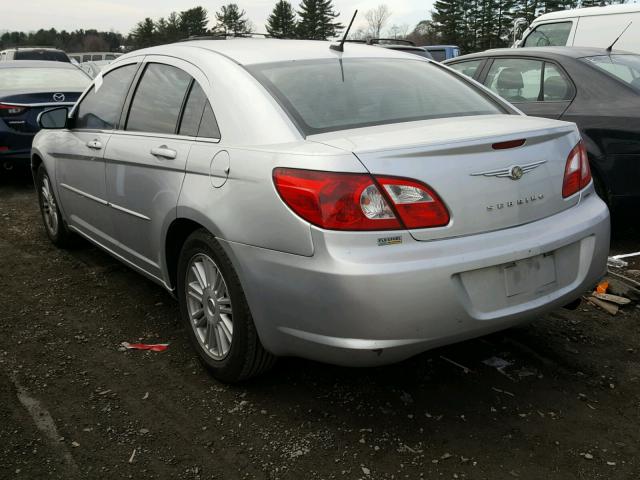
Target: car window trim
[
  {"x": 563, "y": 73},
  {"x": 183, "y": 107}
]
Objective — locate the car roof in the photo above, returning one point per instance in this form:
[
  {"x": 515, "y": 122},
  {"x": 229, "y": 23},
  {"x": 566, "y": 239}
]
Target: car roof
[
  {"x": 248, "y": 51},
  {"x": 585, "y": 12},
  {"x": 556, "y": 53},
  {"x": 440, "y": 46},
  {"x": 36, "y": 64}
]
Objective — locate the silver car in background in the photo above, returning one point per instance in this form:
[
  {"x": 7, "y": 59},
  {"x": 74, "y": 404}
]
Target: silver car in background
[{"x": 356, "y": 208}]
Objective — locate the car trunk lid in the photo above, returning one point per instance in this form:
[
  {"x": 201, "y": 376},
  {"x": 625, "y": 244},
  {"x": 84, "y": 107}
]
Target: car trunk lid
[{"x": 485, "y": 188}]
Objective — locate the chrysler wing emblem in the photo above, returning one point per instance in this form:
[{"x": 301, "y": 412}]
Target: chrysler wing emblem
[
  {"x": 58, "y": 97},
  {"x": 514, "y": 172}
]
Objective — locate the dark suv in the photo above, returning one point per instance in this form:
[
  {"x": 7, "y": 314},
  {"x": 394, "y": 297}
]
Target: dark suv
[{"x": 34, "y": 53}]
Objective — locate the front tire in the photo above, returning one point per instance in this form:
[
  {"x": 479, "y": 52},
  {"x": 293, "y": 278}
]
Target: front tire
[
  {"x": 215, "y": 312},
  {"x": 54, "y": 225}
]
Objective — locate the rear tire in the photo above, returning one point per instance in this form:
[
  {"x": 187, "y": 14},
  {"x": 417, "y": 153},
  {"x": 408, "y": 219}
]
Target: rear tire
[
  {"x": 54, "y": 225},
  {"x": 215, "y": 312}
]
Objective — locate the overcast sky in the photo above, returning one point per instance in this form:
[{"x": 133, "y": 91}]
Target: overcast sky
[{"x": 122, "y": 15}]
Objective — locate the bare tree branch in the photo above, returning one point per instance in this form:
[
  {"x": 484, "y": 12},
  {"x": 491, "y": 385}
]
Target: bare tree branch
[{"x": 377, "y": 18}]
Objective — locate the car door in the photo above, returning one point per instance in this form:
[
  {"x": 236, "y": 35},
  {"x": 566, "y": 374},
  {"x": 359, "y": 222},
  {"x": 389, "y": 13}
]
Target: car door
[
  {"x": 146, "y": 160},
  {"x": 535, "y": 86},
  {"x": 80, "y": 167}
]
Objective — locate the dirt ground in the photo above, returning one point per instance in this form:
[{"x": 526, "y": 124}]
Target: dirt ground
[{"x": 73, "y": 405}]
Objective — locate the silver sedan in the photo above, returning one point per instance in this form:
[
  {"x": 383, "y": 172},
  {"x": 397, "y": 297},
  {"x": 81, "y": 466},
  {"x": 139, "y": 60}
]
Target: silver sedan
[{"x": 353, "y": 207}]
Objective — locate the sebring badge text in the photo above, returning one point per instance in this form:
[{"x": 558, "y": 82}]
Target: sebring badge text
[{"x": 521, "y": 201}]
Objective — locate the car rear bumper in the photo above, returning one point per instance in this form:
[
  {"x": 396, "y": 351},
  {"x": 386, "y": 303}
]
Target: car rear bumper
[
  {"x": 360, "y": 304},
  {"x": 15, "y": 147}
]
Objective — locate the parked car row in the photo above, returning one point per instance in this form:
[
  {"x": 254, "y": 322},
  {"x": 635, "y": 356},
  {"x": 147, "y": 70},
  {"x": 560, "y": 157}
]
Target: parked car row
[
  {"x": 27, "y": 88},
  {"x": 312, "y": 201},
  {"x": 353, "y": 205},
  {"x": 596, "y": 88}
]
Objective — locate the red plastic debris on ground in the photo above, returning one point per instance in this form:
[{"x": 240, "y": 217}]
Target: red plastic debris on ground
[{"x": 154, "y": 347}]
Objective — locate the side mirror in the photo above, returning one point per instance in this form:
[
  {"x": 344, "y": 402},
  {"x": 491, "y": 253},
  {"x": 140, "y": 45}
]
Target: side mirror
[{"x": 54, "y": 119}]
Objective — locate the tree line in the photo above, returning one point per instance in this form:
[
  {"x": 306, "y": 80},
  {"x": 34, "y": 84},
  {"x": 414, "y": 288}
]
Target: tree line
[
  {"x": 473, "y": 25},
  {"x": 76, "y": 41},
  {"x": 314, "y": 19}
]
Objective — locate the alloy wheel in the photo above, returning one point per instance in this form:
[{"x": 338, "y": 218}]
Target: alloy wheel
[
  {"x": 49, "y": 207},
  {"x": 209, "y": 306}
]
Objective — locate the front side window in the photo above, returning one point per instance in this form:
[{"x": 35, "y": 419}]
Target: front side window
[
  {"x": 100, "y": 108},
  {"x": 158, "y": 99},
  {"x": 467, "y": 68},
  {"x": 516, "y": 80},
  {"x": 625, "y": 68},
  {"x": 328, "y": 95},
  {"x": 549, "y": 34}
]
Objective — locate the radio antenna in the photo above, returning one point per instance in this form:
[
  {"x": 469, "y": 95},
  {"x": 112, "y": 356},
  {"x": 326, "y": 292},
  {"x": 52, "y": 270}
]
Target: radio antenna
[{"x": 340, "y": 46}]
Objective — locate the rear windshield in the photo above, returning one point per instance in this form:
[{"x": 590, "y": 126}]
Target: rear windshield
[
  {"x": 623, "y": 67},
  {"x": 63, "y": 79},
  {"x": 49, "y": 55},
  {"x": 328, "y": 95}
]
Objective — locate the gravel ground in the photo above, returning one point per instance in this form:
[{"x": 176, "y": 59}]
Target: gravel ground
[{"x": 73, "y": 405}]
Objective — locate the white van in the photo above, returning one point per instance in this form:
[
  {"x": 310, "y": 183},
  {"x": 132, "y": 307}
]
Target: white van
[{"x": 586, "y": 27}]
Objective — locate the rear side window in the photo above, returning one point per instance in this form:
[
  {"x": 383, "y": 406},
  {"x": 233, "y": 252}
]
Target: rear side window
[
  {"x": 328, "y": 95},
  {"x": 198, "y": 118},
  {"x": 158, "y": 99},
  {"x": 438, "y": 54},
  {"x": 96, "y": 58},
  {"x": 549, "y": 34},
  {"x": 208, "y": 125},
  {"x": 467, "y": 68},
  {"x": 101, "y": 107},
  {"x": 555, "y": 87}
]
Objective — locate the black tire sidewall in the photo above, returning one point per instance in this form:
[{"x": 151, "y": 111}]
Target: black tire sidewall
[{"x": 229, "y": 369}]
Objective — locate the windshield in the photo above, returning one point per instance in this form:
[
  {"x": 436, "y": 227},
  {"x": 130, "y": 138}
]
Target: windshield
[
  {"x": 328, "y": 95},
  {"x": 50, "y": 55},
  {"x": 623, "y": 67},
  {"x": 64, "y": 79}
]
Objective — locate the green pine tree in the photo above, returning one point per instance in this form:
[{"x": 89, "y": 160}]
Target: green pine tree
[
  {"x": 144, "y": 34},
  {"x": 317, "y": 20},
  {"x": 232, "y": 20},
  {"x": 282, "y": 21},
  {"x": 194, "y": 21}
]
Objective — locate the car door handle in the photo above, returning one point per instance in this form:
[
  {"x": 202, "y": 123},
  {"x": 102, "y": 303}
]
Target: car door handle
[
  {"x": 95, "y": 145},
  {"x": 164, "y": 152}
]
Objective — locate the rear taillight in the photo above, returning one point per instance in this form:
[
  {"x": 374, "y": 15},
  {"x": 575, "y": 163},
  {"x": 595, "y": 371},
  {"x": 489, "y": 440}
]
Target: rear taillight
[
  {"x": 8, "y": 109},
  {"x": 577, "y": 173},
  {"x": 355, "y": 201}
]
